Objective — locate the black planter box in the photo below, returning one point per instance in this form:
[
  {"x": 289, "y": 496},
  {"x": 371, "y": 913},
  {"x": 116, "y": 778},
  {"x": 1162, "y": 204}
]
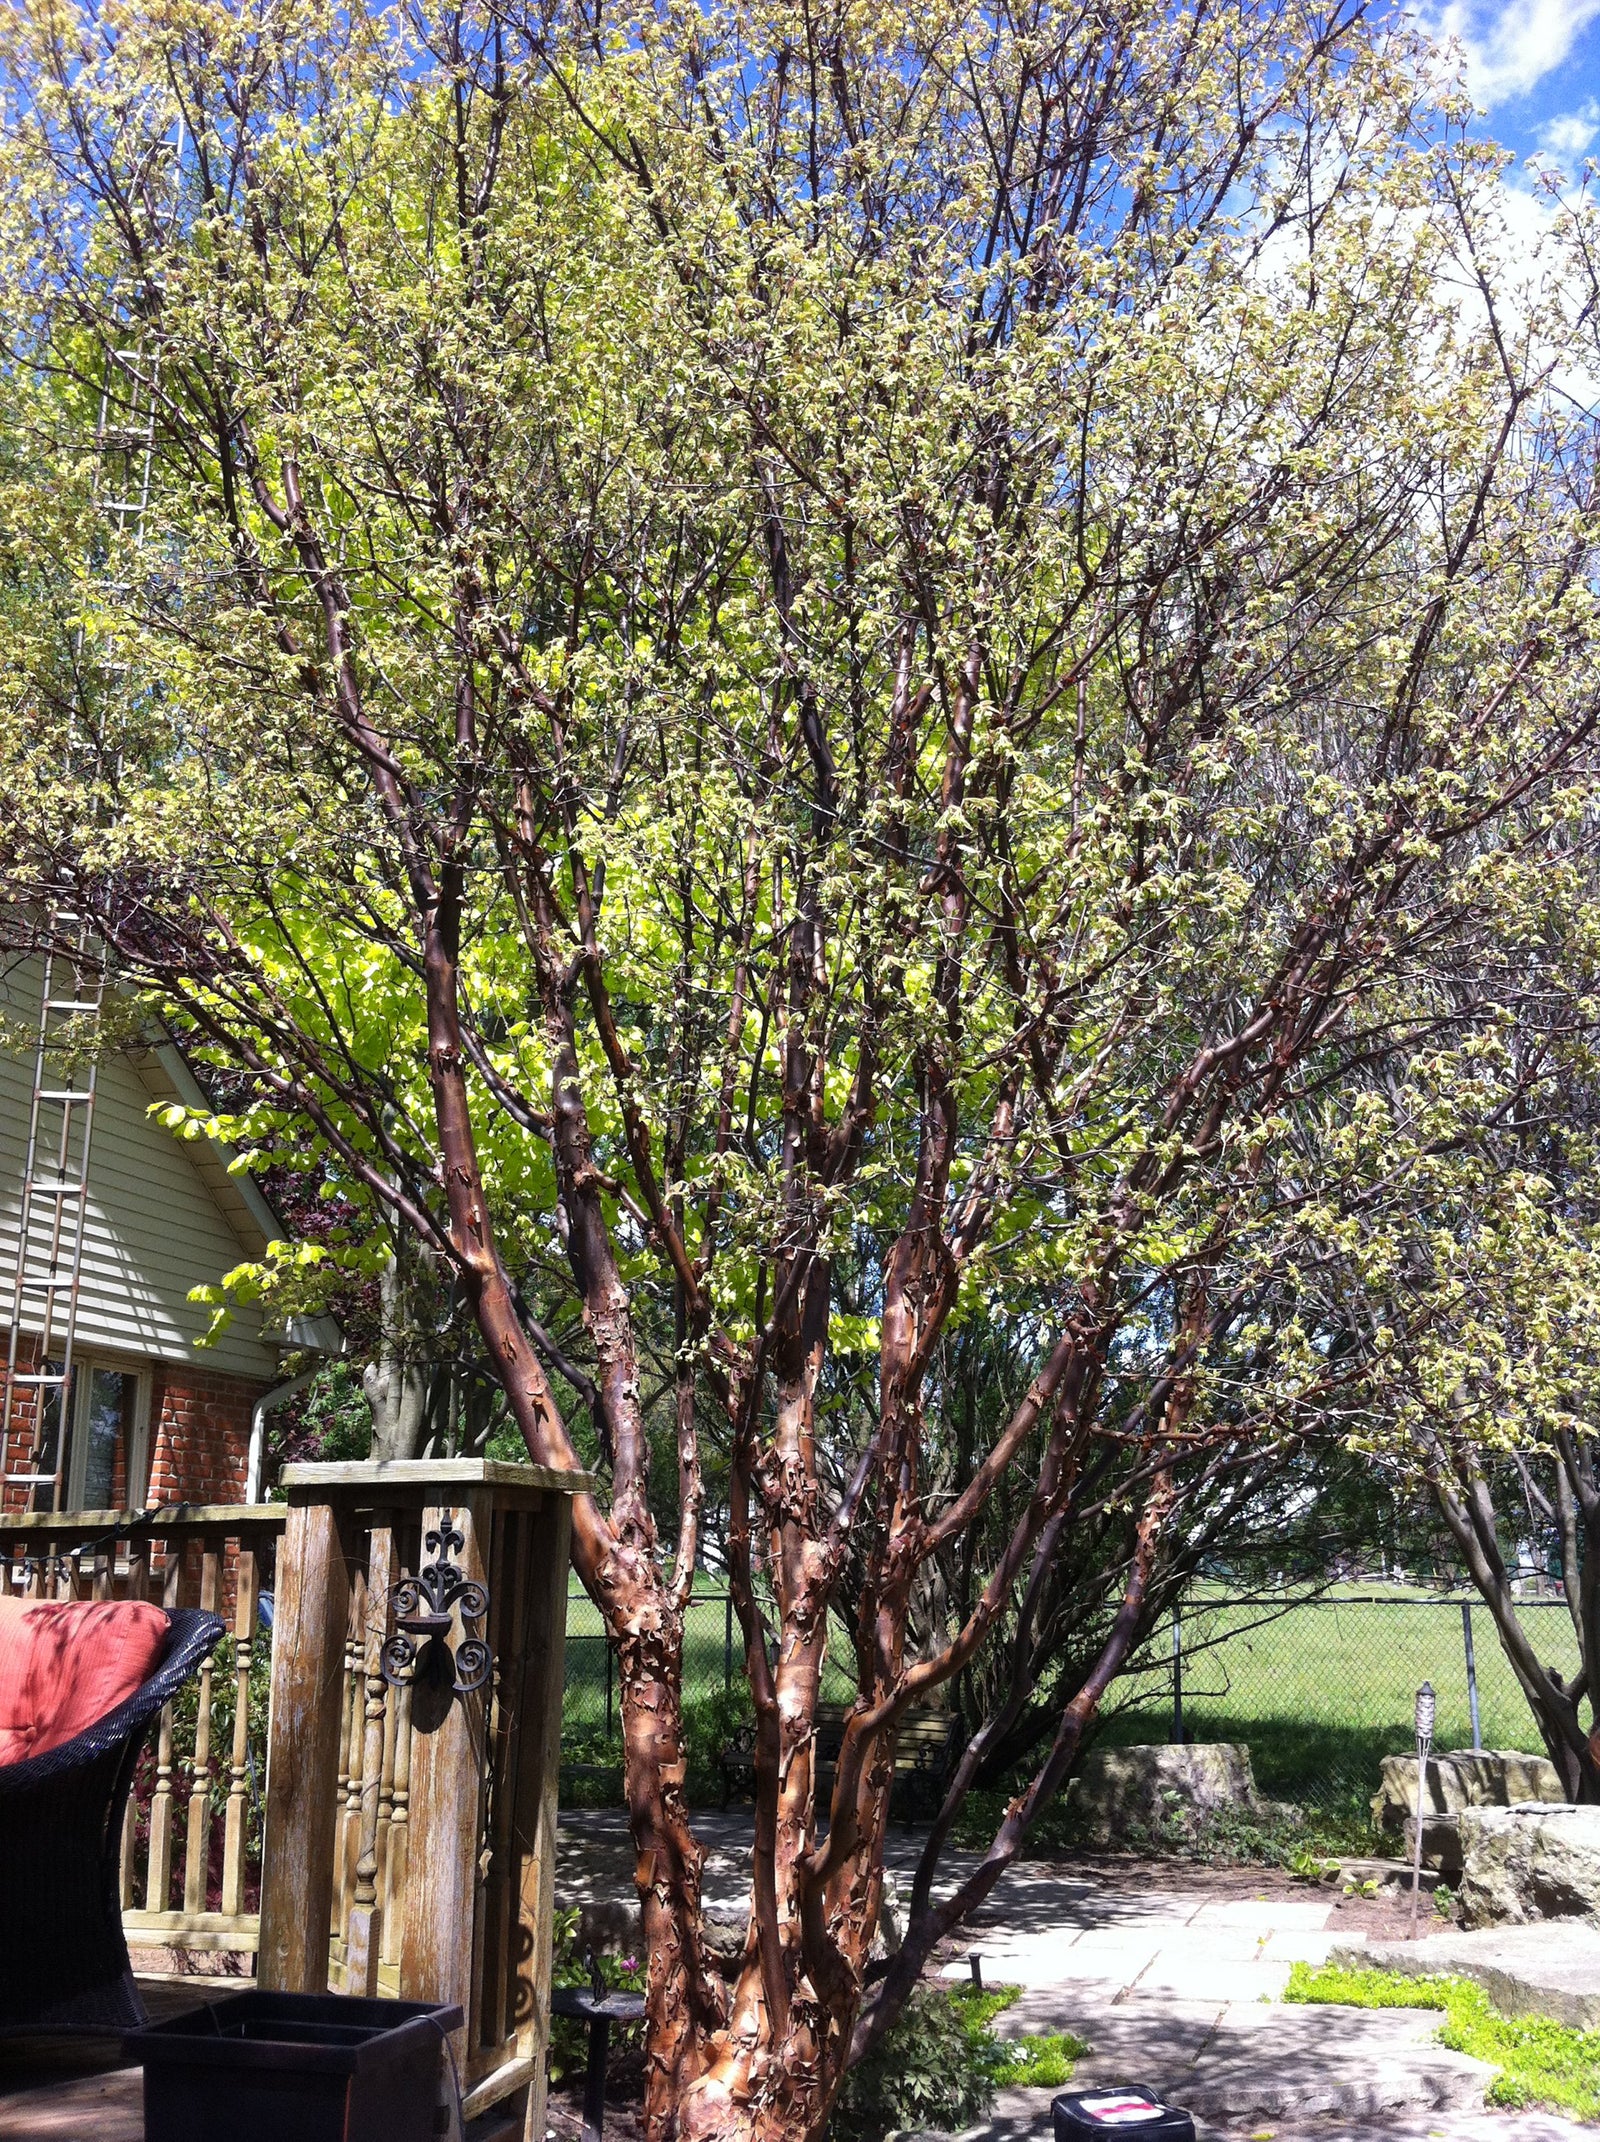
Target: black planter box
[
  {"x": 295, "y": 2067},
  {"x": 1121, "y": 2112}
]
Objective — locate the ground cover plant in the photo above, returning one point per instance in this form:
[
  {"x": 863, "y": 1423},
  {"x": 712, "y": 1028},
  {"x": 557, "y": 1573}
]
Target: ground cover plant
[
  {"x": 941, "y": 2065},
  {"x": 1541, "y": 2062},
  {"x": 801, "y": 684}
]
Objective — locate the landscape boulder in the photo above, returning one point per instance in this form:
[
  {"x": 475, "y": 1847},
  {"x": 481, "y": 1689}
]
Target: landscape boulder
[
  {"x": 1526, "y": 1863},
  {"x": 1375, "y": 1876},
  {"x": 1459, "y": 1778},
  {"x": 1441, "y": 1845},
  {"x": 1522, "y": 1969},
  {"x": 1122, "y": 1791}
]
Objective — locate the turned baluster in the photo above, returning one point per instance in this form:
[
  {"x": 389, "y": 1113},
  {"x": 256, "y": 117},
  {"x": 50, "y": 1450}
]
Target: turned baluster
[
  {"x": 349, "y": 1846},
  {"x": 496, "y": 1965},
  {"x": 158, "y": 1867},
  {"x": 348, "y": 1756},
  {"x": 138, "y": 1587},
  {"x": 236, "y": 1823},
  {"x": 391, "y": 1712},
  {"x": 366, "y": 1931},
  {"x": 397, "y": 1864},
  {"x": 197, "y": 1851}
]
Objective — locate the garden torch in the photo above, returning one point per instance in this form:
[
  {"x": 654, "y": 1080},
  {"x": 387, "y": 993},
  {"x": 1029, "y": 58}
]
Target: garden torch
[{"x": 1427, "y": 1710}]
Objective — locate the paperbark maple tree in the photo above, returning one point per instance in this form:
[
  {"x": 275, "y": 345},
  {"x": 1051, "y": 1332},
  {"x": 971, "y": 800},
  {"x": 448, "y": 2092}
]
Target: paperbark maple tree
[{"x": 777, "y": 635}]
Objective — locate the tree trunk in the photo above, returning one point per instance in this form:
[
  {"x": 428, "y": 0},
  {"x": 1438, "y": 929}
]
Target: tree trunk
[
  {"x": 1468, "y": 1511},
  {"x": 395, "y": 1380}
]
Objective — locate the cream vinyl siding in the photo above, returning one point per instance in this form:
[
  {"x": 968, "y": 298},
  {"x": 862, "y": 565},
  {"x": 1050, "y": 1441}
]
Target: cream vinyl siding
[{"x": 156, "y": 1226}]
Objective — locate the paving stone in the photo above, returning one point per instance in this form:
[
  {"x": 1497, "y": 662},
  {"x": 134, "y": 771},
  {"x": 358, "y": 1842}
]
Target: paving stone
[
  {"x": 1545, "y": 1969},
  {"x": 1193, "y": 1977},
  {"x": 1043, "y": 1963},
  {"x": 1261, "y": 1912},
  {"x": 1226, "y": 1945},
  {"x": 1407, "y": 2127},
  {"x": 1118, "y": 2027},
  {"x": 1299, "y": 1945},
  {"x": 1133, "y": 1940},
  {"x": 1256, "y": 2065}
]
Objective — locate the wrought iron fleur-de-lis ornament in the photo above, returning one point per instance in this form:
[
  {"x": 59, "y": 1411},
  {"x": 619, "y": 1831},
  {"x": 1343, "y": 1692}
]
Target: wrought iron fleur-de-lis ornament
[{"x": 424, "y": 1607}]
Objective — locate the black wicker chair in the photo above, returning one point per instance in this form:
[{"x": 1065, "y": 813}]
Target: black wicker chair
[{"x": 63, "y": 1961}]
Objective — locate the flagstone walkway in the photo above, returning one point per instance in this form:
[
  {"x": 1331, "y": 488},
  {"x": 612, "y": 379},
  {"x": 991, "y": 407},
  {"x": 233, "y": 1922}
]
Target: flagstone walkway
[{"x": 1175, "y": 1983}]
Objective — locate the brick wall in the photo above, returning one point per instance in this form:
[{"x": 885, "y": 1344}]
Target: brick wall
[
  {"x": 199, "y": 1434},
  {"x": 199, "y": 1442},
  {"x": 199, "y": 1452},
  {"x": 18, "y": 1454}
]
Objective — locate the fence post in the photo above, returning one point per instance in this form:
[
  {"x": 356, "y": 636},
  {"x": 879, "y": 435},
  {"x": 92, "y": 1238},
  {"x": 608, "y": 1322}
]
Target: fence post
[
  {"x": 307, "y": 1713},
  {"x": 727, "y": 1639},
  {"x": 607, "y": 1642},
  {"x": 1177, "y": 1675},
  {"x": 1472, "y": 1672}
]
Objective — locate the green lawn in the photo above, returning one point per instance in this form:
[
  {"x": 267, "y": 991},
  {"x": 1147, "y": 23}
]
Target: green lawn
[{"x": 1319, "y": 1693}]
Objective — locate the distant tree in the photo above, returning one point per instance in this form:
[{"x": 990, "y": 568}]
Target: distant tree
[
  {"x": 1490, "y": 1365},
  {"x": 800, "y": 681},
  {"x": 1298, "y": 1509}
]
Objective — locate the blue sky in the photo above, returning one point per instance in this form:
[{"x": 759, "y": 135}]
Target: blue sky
[{"x": 1535, "y": 66}]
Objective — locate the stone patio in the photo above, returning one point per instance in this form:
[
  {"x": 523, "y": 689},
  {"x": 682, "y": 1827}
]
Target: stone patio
[
  {"x": 1177, "y": 1987},
  {"x": 1173, "y": 1986}
]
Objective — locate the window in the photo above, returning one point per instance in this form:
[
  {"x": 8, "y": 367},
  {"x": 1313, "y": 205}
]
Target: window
[
  {"x": 107, "y": 1425},
  {"x": 108, "y": 1406}
]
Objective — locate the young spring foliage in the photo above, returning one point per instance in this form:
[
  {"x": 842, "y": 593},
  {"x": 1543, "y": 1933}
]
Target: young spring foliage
[{"x": 794, "y": 680}]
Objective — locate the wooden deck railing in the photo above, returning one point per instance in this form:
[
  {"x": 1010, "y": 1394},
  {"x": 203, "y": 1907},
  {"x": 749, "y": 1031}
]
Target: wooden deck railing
[
  {"x": 360, "y": 1761},
  {"x": 213, "y": 1557},
  {"x": 412, "y": 1823}
]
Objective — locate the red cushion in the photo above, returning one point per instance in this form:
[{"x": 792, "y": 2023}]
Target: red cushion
[{"x": 65, "y": 1663}]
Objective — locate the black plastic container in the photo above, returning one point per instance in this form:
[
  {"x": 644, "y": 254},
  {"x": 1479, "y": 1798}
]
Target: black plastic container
[
  {"x": 1121, "y": 2112},
  {"x": 295, "y": 2067}
]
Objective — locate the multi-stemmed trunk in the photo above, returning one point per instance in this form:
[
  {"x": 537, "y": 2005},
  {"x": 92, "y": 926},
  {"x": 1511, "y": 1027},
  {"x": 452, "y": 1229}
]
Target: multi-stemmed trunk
[{"x": 1566, "y": 1493}]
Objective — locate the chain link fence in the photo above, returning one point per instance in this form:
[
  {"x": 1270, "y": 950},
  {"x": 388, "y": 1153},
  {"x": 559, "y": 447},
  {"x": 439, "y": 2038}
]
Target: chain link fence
[
  {"x": 1320, "y": 1687},
  {"x": 590, "y": 1710},
  {"x": 591, "y": 1713}
]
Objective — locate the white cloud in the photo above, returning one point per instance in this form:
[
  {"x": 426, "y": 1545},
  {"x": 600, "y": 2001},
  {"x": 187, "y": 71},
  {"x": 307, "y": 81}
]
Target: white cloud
[
  {"x": 1527, "y": 270},
  {"x": 1510, "y": 48},
  {"x": 1567, "y": 136}
]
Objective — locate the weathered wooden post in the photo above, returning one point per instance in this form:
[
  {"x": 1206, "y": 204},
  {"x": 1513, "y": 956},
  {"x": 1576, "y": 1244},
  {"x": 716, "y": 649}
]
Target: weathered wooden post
[
  {"x": 454, "y": 1759},
  {"x": 312, "y": 1607}
]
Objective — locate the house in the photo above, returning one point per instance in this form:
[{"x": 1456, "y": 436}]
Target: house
[{"x": 154, "y": 1417}]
